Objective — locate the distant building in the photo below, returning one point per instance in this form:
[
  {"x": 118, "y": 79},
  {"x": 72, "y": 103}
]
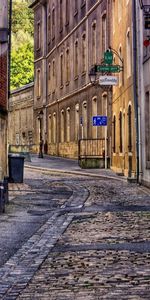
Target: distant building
[
  {"x": 69, "y": 37},
  {"x": 20, "y": 125},
  {"x": 3, "y": 86}
]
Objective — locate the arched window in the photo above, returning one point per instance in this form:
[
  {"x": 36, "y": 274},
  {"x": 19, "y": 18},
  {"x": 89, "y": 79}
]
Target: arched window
[
  {"x": 67, "y": 11},
  {"x": 94, "y": 43},
  {"x": 54, "y": 127},
  {"x": 94, "y": 113},
  {"x": 104, "y": 32},
  {"x": 49, "y": 27},
  {"x": 62, "y": 128},
  {"x": 50, "y": 129},
  {"x": 38, "y": 83},
  {"x": 61, "y": 16},
  {"x": 114, "y": 134},
  {"x": 53, "y": 23},
  {"x": 129, "y": 129},
  {"x": 49, "y": 78},
  {"x": 120, "y": 130},
  {"x": 77, "y": 121},
  {"x": 128, "y": 53},
  {"x": 61, "y": 69},
  {"x": 84, "y": 52},
  {"x": 68, "y": 124},
  {"x": 84, "y": 119},
  {"x": 67, "y": 66},
  {"x": 53, "y": 76},
  {"x": 76, "y": 59}
]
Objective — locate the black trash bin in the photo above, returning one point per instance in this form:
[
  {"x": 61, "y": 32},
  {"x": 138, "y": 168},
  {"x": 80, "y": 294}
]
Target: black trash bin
[{"x": 16, "y": 168}]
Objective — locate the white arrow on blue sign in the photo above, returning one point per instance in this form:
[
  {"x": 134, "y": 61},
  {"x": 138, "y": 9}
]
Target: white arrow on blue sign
[{"x": 99, "y": 120}]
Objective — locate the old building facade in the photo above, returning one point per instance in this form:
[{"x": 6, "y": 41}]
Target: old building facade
[
  {"x": 20, "y": 119},
  {"x": 3, "y": 86},
  {"x": 70, "y": 37},
  {"x": 143, "y": 46},
  {"x": 123, "y": 98}
]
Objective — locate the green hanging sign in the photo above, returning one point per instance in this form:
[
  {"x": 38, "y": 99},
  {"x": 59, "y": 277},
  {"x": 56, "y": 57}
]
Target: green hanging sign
[{"x": 108, "y": 57}]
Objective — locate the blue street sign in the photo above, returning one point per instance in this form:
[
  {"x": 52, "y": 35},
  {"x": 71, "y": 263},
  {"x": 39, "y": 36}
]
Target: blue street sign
[{"x": 100, "y": 121}]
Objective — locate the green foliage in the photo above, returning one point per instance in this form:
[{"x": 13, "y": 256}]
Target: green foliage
[{"x": 22, "y": 59}]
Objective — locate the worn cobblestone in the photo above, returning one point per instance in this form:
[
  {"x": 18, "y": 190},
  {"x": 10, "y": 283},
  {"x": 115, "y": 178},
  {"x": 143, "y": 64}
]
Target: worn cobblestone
[{"x": 70, "y": 256}]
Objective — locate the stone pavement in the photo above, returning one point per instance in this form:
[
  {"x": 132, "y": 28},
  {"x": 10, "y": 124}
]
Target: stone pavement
[
  {"x": 95, "y": 246},
  {"x": 67, "y": 165}
]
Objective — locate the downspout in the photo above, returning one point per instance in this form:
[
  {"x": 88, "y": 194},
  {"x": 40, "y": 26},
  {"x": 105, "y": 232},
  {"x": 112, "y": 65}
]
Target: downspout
[
  {"x": 9, "y": 46},
  {"x": 135, "y": 95}
]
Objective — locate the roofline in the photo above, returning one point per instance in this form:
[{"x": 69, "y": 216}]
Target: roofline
[
  {"x": 33, "y": 4},
  {"x": 27, "y": 86}
]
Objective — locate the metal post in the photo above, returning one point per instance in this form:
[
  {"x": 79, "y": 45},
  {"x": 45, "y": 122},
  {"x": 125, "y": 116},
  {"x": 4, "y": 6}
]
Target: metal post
[{"x": 135, "y": 86}]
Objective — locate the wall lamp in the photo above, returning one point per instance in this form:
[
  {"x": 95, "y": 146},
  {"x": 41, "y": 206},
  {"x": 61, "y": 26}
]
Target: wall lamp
[
  {"x": 92, "y": 75},
  {"x": 145, "y": 6}
]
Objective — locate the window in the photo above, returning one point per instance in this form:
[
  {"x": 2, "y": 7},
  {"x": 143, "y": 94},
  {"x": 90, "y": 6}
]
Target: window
[
  {"x": 119, "y": 10},
  {"x": 49, "y": 78},
  {"x": 68, "y": 124},
  {"x": 38, "y": 83},
  {"x": 129, "y": 129},
  {"x": 38, "y": 35},
  {"x": 75, "y": 6},
  {"x": 94, "y": 113},
  {"x": 147, "y": 128},
  {"x": 128, "y": 53},
  {"x": 84, "y": 120},
  {"x": 67, "y": 66},
  {"x": 77, "y": 121},
  {"x": 104, "y": 30},
  {"x": 50, "y": 129},
  {"x": 83, "y": 2},
  {"x": 54, "y": 127},
  {"x": 53, "y": 23},
  {"x": 61, "y": 16},
  {"x": 67, "y": 11},
  {"x": 113, "y": 15},
  {"x": 121, "y": 73},
  {"x": 83, "y": 53},
  {"x": 62, "y": 127},
  {"x": 61, "y": 69},
  {"x": 49, "y": 27},
  {"x": 114, "y": 134},
  {"x": 53, "y": 75},
  {"x": 76, "y": 59},
  {"x": 120, "y": 131},
  {"x": 94, "y": 43}
]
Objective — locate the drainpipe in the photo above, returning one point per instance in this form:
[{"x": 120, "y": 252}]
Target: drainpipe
[
  {"x": 9, "y": 45},
  {"x": 135, "y": 95}
]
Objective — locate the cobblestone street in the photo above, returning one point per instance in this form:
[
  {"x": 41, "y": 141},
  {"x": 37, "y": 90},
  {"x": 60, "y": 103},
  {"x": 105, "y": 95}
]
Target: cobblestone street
[{"x": 92, "y": 240}]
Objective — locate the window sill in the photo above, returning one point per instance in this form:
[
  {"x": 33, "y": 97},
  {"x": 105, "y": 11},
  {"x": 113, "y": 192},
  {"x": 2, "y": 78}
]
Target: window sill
[
  {"x": 75, "y": 13},
  {"x": 76, "y": 77},
  {"x": 83, "y": 73},
  {"x": 38, "y": 97},
  {"x": 67, "y": 23},
  {"x": 67, "y": 83},
  {"x": 61, "y": 87}
]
